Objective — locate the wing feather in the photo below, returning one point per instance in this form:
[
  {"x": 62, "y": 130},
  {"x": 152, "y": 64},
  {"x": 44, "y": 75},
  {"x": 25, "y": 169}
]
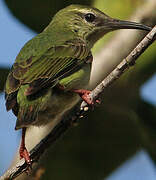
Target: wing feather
[{"x": 42, "y": 70}]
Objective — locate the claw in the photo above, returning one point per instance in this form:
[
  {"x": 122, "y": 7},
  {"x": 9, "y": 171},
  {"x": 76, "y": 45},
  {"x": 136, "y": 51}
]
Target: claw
[
  {"x": 84, "y": 94},
  {"x": 98, "y": 101},
  {"x": 25, "y": 154}
]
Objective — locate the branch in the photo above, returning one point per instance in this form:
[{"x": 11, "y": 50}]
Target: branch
[
  {"x": 76, "y": 114},
  {"x": 104, "y": 60}
]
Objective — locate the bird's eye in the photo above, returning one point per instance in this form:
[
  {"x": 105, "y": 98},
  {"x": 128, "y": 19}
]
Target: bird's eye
[{"x": 89, "y": 17}]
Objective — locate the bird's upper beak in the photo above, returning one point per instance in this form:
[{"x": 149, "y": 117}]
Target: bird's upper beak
[{"x": 115, "y": 24}]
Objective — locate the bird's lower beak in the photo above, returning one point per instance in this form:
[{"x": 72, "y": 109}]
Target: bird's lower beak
[{"x": 120, "y": 24}]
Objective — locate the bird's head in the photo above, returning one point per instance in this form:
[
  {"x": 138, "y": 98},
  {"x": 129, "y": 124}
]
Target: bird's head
[{"x": 89, "y": 23}]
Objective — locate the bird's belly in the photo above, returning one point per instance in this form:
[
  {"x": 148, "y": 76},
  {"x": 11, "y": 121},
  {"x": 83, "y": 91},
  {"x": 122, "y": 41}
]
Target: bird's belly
[
  {"x": 61, "y": 101},
  {"x": 56, "y": 107}
]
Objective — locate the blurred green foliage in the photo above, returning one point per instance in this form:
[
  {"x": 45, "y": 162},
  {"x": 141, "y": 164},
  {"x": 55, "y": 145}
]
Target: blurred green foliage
[
  {"x": 37, "y": 14},
  {"x": 123, "y": 124}
]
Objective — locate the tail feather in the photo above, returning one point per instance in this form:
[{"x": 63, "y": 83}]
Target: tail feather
[{"x": 30, "y": 106}]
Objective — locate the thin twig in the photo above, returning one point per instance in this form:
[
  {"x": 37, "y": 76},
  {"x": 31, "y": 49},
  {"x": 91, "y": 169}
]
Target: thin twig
[
  {"x": 118, "y": 44},
  {"x": 125, "y": 63},
  {"x": 76, "y": 114}
]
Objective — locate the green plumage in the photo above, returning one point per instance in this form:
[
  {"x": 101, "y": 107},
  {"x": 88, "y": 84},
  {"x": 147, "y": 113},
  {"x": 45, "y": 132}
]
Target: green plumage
[
  {"x": 57, "y": 57},
  {"x": 42, "y": 70}
]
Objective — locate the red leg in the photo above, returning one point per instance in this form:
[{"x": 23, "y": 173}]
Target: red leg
[
  {"x": 23, "y": 151},
  {"x": 84, "y": 94}
]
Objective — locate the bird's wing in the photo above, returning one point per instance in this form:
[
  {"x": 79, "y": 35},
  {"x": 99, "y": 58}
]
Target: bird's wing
[{"x": 42, "y": 70}]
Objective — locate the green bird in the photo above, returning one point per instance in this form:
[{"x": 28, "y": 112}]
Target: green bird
[{"x": 53, "y": 69}]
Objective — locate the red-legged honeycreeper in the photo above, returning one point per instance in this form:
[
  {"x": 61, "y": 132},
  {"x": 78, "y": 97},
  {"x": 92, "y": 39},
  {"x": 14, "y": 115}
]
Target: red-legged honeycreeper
[{"x": 54, "y": 67}]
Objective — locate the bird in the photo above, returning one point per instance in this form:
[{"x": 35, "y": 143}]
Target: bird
[{"x": 52, "y": 70}]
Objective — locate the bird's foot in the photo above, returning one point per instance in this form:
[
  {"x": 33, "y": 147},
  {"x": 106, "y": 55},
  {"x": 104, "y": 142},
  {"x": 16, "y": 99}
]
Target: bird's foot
[
  {"x": 84, "y": 94},
  {"x": 25, "y": 154}
]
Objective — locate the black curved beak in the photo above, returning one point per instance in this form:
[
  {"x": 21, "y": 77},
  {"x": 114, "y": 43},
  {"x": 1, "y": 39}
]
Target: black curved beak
[{"x": 115, "y": 24}]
